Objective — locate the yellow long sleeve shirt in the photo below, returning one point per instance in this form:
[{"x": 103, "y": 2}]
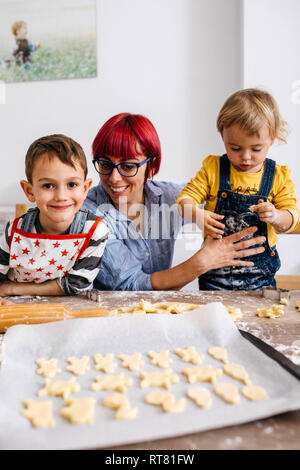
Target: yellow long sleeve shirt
[{"x": 205, "y": 185}]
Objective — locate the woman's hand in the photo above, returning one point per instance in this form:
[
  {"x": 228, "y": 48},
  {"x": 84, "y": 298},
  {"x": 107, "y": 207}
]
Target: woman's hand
[{"x": 228, "y": 250}]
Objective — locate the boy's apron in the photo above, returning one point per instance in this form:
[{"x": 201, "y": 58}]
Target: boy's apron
[
  {"x": 237, "y": 216},
  {"x": 39, "y": 257}
]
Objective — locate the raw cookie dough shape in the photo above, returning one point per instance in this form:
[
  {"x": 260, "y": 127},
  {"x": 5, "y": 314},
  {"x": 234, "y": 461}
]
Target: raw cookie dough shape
[
  {"x": 202, "y": 374},
  {"x": 235, "y": 312},
  {"x": 39, "y": 413},
  {"x": 160, "y": 359},
  {"x": 190, "y": 354},
  {"x": 273, "y": 311},
  {"x": 122, "y": 404},
  {"x": 158, "y": 379},
  {"x": 254, "y": 393},
  {"x": 79, "y": 410},
  {"x": 62, "y": 388},
  {"x": 166, "y": 400},
  {"x": 228, "y": 392},
  {"x": 111, "y": 382},
  {"x": 78, "y": 366},
  {"x": 297, "y": 305},
  {"x": 132, "y": 362},
  {"x": 105, "y": 363},
  {"x": 47, "y": 367},
  {"x": 218, "y": 353},
  {"x": 160, "y": 307},
  {"x": 201, "y": 396},
  {"x": 238, "y": 372}
]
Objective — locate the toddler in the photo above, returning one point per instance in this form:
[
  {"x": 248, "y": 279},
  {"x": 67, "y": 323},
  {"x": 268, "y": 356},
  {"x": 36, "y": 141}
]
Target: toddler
[
  {"x": 22, "y": 47},
  {"x": 244, "y": 188},
  {"x": 55, "y": 248}
]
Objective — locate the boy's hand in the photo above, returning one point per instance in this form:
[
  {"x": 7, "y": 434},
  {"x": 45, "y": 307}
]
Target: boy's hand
[
  {"x": 266, "y": 212},
  {"x": 211, "y": 225}
]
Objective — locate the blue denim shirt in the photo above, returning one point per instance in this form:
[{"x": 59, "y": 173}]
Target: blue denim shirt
[{"x": 130, "y": 257}]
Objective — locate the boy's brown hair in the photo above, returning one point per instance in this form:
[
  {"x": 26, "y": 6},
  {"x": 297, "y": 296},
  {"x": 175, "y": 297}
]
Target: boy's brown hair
[
  {"x": 251, "y": 109},
  {"x": 16, "y": 26},
  {"x": 67, "y": 150}
]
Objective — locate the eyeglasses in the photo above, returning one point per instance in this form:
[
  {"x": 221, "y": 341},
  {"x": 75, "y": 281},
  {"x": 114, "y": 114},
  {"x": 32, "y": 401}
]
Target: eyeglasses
[{"x": 128, "y": 169}]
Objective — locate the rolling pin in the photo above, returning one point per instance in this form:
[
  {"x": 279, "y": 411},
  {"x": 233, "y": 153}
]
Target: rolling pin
[{"x": 29, "y": 314}]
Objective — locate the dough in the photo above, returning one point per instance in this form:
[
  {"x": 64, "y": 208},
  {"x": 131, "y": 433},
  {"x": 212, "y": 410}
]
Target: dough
[
  {"x": 79, "y": 410},
  {"x": 78, "y": 366},
  {"x": 39, "y": 413},
  {"x": 254, "y": 393},
  {"x": 238, "y": 372},
  {"x": 159, "y": 307},
  {"x": 228, "y": 392},
  {"x": 272, "y": 311},
  {"x": 160, "y": 359},
  {"x": 201, "y": 396},
  {"x": 105, "y": 363},
  {"x": 62, "y": 388},
  {"x": 47, "y": 368},
  {"x": 284, "y": 301},
  {"x": 234, "y": 312},
  {"x": 190, "y": 355},
  {"x": 121, "y": 402},
  {"x": 133, "y": 361},
  {"x": 158, "y": 379},
  {"x": 297, "y": 305},
  {"x": 112, "y": 382},
  {"x": 218, "y": 353},
  {"x": 202, "y": 374},
  {"x": 166, "y": 400}
]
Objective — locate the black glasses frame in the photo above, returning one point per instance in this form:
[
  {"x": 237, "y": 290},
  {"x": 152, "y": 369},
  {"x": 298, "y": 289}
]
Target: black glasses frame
[{"x": 117, "y": 166}]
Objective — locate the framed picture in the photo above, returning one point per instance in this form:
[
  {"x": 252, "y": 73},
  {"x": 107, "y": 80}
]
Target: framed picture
[{"x": 47, "y": 40}]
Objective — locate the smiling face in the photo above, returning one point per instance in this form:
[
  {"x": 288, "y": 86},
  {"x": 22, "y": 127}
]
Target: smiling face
[
  {"x": 246, "y": 152},
  {"x": 58, "y": 191},
  {"x": 122, "y": 189}
]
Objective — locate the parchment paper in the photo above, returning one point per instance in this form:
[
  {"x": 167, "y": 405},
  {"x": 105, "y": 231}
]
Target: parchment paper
[{"x": 208, "y": 326}]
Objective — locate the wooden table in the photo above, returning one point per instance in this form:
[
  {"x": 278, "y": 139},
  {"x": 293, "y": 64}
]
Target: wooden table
[{"x": 278, "y": 432}]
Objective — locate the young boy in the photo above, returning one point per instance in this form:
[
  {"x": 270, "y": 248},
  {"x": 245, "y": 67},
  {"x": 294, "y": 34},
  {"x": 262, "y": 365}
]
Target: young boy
[
  {"x": 22, "y": 47},
  {"x": 57, "y": 247},
  {"x": 244, "y": 188}
]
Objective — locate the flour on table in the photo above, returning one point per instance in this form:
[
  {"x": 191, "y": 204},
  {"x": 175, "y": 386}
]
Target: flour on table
[
  {"x": 202, "y": 374},
  {"x": 190, "y": 354},
  {"x": 122, "y": 404},
  {"x": 39, "y": 413},
  {"x": 105, "y": 363},
  {"x": 79, "y": 410},
  {"x": 111, "y": 382},
  {"x": 47, "y": 367},
  {"x": 201, "y": 396},
  {"x": 166, "y": 400},
  {"x": 228, "y": 392},
  {"x": 78, "y": 366},
  {"x": 218, "y": 353},
  {"x": 161, "y": 359},
  {"x": 158, "y": 379},
  {"x": 62, "y": 388},
  {"x": 132, "y": 362},
  {"x": 254, "y": 393}
]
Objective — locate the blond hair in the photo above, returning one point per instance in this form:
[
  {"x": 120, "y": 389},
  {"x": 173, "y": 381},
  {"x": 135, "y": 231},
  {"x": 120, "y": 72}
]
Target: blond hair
[
  {"x": 17, "y": 26},
  {"x": 251, "y": 109}
]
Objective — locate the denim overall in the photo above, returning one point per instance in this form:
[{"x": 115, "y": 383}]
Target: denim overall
[{"x": 235, "y": 207}]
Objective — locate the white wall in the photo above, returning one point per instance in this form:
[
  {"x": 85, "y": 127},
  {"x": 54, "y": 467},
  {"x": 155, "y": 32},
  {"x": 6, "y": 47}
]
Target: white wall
[{"x": 271, "y": 61}]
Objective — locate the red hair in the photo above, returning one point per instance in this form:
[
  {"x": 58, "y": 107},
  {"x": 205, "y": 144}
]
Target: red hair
[{"x": 119, "y": 137}]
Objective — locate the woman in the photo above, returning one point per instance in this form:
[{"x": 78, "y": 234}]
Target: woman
[{"x": 141, "y": 214}]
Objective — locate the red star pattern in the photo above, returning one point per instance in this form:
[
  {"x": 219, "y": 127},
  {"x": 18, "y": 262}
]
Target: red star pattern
[
  {"x": 48, "y": 274},
  {"x": 36, "y": 243},
  {"x": 59, "y": 268},
  {"x": 14, "y": 257},
  {"x": 39, "y": 270},
  {"x": 52, "y": 261},
  {"x": 32, "y": 261},
  {"x": 17, "y": 239},
  {"x": 56, "y": 245},
  {"x": 76, "y": 243},
  {"x": 25, "y": 251},
  {"x": 64, "y": 253}
]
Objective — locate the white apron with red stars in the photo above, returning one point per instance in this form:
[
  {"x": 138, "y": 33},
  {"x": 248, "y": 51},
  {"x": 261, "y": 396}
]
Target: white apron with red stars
[{"x": 39, "y": 257}]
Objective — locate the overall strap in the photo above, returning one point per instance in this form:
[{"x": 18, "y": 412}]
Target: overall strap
[
  {"x": 224, "y": 173},
  {"x": 28, "y": 220},
  {"x": 78, "y": 222},
  {"x": 267, "y": 178}
]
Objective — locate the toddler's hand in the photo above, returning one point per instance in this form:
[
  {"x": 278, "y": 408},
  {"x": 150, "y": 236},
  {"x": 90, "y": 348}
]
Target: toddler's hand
[
  {"x": 266, "y": 212},
  {"x": 211, "y": 225}
]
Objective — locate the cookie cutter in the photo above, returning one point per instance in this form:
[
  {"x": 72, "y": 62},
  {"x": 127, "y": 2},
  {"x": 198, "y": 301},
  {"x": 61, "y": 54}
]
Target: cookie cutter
[
  {"x": 275, "y": 294},
  {"x": 94, "y": 295}
]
